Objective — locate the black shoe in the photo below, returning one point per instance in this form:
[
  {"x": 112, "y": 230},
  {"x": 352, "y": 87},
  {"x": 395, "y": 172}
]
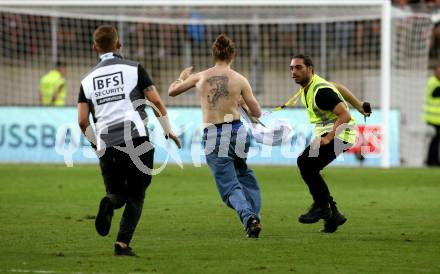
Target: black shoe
[
  {"x": 119, "y": 251},
  {"x": 315, "y": 213},
  {"x": 253, "y": 227},
  {"x": 104, "y": 219},
  {"x": 331, "y": 224}
]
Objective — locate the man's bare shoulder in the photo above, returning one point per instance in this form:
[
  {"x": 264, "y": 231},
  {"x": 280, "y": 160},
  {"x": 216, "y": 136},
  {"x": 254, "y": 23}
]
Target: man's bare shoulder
[
  {"x": 239, "y": 76},
  {"x": 240, "y": 79},
  {"x": 232, "y": 75},
  {"x": 204, "y": 73}
]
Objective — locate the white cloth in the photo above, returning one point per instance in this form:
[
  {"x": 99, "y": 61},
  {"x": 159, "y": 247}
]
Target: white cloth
[{"x": 274, "y": 135}]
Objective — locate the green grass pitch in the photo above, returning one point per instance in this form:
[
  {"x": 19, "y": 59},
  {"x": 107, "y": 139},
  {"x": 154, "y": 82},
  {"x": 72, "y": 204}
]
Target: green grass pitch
[{"x": 47, "y": 226}]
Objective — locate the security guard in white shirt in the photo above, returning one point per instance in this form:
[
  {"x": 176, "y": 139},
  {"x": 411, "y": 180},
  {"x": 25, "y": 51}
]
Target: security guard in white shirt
[{"x": 114, "y": 93}]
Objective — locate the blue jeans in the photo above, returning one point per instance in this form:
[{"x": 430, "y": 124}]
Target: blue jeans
[{"x": 226, "y": 146}]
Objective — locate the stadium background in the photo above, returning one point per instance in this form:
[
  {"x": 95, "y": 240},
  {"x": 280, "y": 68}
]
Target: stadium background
[
  {"x": 47, "y": 211},
  {"x": 344, "y": 42}
]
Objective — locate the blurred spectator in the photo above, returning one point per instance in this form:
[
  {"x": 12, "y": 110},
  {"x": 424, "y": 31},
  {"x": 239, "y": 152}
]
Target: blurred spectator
[
  {"x": 38, "y": 27},
  {"x": 311, "y": 35},
  {"x": 169, "y": 44},
  {"x": 196, "y": 30},
  {"x": 368, "y": 37},
  {"x": 288, "y": 39},
  {"x": 137, "y": 34},
  {"x": 53, "y": 88},
  {"x": 13, "y": 29},
  {"x": 402, "y": 5},
  {"x": 431, "y": 5},
  {"x": 343, "y": 34},
  {"x": 67, "y": 33},
  {"x": 434, "y": 50},
  {"x": 432, "y": 115},
  {"x": 262, "y": 36}
]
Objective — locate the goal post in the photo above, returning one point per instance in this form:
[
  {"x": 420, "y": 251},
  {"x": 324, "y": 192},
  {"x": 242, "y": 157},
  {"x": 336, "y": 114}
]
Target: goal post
[
  {"x": 350, "y": 41},
  {"x": 385, "y": 60}
]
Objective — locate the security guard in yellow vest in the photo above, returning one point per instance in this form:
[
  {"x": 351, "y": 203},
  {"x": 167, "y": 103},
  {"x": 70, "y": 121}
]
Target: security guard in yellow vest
[
  {"x": 334, "y": 133},
  {"x": 53, "y": 88},
  {"x": 432, "y": 116}
]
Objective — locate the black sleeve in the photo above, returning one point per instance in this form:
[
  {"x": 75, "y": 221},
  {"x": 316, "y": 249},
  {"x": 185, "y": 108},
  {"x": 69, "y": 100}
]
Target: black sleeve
[
  {"x": 327, "y": 99},
  {"x": 436, "y": 92},
  {"x": 82, "y": 97},
  {"x": 144, "y": 80}
]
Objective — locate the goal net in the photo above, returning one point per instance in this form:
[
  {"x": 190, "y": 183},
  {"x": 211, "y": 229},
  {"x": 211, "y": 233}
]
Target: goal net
[{"x": 352, "y": 42}]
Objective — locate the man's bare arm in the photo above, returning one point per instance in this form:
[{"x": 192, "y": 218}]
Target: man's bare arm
[
  {"x": 250, "y": 100},
  {"x": 160, "y": 111},
  {"x": 84, "y": 124},
  {"x": 186, "y": 81},
  {"x": 153, "y": 96},
  {"x": 246, "y": 109}
]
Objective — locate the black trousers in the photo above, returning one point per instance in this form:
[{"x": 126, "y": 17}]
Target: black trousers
[
  {"x": 311, "y": 162},
  {"x": 433, "y": 156},
  {"x": 126, "y": 184}
]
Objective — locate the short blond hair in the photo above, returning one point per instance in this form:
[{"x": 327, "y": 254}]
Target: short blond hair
[{"x": 105, "y": 38}]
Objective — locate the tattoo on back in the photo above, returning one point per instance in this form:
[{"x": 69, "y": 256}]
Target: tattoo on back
[{"x": 219, "y": 88}]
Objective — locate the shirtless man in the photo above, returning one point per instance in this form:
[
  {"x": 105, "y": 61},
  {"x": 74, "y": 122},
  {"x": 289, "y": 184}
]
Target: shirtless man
[{"x": 221, "y": 91}]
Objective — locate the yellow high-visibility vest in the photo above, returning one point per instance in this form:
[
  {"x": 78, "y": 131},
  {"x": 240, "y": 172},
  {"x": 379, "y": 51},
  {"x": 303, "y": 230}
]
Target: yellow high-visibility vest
[
  {"x": 432, "y": 104},
  {"x": 324, "y": 120},
  {"x": 49, "y": 83}
]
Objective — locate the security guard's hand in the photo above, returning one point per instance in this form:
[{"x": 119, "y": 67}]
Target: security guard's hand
[
  {"x": 366, "y": 109},
  {"x": 175, "y": 139}
]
